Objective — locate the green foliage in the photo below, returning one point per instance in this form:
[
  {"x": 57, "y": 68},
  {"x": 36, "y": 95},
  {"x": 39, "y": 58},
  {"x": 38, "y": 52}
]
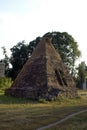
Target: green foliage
[
  {"x": 82, "y": 73},
  {"x": 67, "y": 47},
  {"x": 5, "y": 83},
  {"x": 33, "y": 44},
  {"x": 19, "y": 56},
  {"x": 43, "y": 100},
  {"x": 6, "y": 59},
  {"x": 63, "y": 43}
]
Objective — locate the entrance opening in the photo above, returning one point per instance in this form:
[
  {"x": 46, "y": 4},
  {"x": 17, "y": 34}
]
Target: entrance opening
[{"x": 60, "y": 78}]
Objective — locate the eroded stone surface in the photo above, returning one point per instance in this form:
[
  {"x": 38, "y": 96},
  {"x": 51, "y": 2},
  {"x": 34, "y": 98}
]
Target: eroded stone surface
[{"x": 43, "y": 76}]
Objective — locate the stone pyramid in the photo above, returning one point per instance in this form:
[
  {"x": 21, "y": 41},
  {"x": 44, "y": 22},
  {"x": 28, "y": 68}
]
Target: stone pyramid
[{"x": 44, "y": 75}]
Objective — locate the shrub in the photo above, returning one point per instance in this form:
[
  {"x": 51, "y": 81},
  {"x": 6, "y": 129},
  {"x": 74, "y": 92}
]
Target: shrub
[
  {"x": 41, "y": 100},
  {"x": 5, "y": 83}
]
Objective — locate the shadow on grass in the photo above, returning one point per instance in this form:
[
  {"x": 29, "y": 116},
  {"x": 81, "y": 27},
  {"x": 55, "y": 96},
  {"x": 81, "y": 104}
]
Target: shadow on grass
[{"x": 14, "y": 100}]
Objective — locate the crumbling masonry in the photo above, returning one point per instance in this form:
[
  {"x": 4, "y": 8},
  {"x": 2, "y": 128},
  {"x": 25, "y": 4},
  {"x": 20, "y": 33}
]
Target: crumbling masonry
[{"x": 43, "y": 76}]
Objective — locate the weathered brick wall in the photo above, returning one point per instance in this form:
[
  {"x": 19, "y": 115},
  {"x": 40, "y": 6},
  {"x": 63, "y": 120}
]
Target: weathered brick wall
[{"x": 44, "y": 76}]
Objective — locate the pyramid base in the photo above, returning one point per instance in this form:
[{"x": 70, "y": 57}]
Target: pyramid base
[{"x": 53, "y": 94}]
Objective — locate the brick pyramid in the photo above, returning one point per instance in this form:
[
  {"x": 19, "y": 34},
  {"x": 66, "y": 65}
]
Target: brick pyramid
[{"x": 44, "y": 75}]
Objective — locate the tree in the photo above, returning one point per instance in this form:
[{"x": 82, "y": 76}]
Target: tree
[
  {"x": 20, "y": 53},
  {"x": 6, "y": 59},
  {"x": 63, "y": 43},
  {"x": 67, "y": 48},
  {"x": 82, "y": 73},
  {"x": 33, "y": 44}
]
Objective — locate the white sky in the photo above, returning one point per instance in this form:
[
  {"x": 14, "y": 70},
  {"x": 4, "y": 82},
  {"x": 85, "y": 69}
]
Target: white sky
[{"x": 28, "y": 19}]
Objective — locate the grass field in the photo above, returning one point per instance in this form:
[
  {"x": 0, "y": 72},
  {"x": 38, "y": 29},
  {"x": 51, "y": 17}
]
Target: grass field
[
  {"x": 22, "y": 114},
  {"x": 76, "y": 123}
]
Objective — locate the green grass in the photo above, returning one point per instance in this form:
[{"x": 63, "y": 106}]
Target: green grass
[
  {"x": 76, "y": 123},
  {"x": 24, "y": 114}
]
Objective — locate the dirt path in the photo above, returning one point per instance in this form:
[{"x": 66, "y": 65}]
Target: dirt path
[{"x": 62, "y": 120}]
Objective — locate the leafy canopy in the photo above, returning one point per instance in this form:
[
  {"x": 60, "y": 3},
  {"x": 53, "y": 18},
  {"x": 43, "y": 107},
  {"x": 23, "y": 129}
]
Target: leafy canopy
[{"x": 63, "y": 43}]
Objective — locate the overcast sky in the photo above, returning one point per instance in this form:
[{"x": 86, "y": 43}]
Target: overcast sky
[{"x": 27, "y": 19}]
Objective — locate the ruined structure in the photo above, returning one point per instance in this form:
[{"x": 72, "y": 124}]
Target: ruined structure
[
  {"x": 2, "y": 69},
  {"x": 43, "y": 76}
]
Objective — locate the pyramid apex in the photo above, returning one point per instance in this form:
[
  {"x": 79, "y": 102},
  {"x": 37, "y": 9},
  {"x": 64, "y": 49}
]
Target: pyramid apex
[{"x": 46, "y": 39}]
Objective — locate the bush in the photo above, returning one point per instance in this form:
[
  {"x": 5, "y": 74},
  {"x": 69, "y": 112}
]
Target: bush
[
  {"x": 5, "y": 83},
  {"x": 41, "y": 100}
]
